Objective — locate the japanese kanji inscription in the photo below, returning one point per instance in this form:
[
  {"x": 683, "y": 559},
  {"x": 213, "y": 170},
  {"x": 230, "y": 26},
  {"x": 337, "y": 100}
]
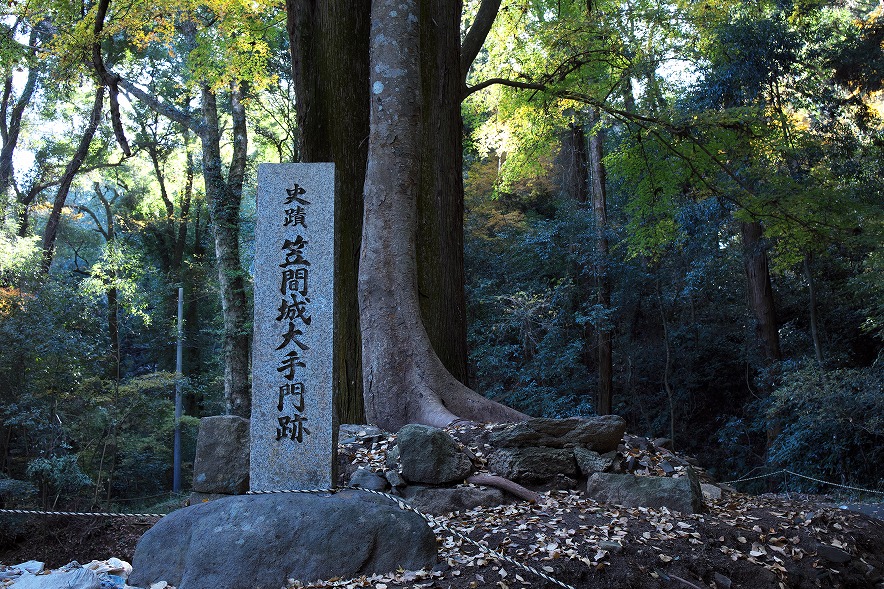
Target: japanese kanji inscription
[{"x": 293, "y": 422}]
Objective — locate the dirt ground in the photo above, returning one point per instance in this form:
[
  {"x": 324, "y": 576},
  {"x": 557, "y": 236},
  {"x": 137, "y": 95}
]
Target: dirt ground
[{"x": 741, "y": 541}]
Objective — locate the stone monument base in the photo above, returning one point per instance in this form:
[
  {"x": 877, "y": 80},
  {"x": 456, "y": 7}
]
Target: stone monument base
[{"x": 261, "y": 541}]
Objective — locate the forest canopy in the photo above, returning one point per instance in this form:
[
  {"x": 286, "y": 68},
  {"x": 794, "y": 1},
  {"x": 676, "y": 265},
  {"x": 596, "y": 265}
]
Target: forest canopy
[{"x": 671, "y": 211}]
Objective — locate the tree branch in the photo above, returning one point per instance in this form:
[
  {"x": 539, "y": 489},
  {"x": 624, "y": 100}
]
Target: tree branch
[
  {"x": 504, "y": 82},
  {"x": 475, "y": 37},
  {"x": 106, "y": 78},
  {"x": 167, "y": 110}
]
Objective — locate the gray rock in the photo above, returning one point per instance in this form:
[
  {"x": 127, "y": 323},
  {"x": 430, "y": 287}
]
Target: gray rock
[
  {"x": 667, "y": 468},
  {"x": 260, "y": 541},
  {"x": 533, "y": 464},
  {"x": 722, "y": 581},
  {"x": 391, "y": 460},
  {"x": 601, "y": 434},
  {"x": 34, "y": 567},
  {"x": 349, "y": 433},
  {"x": 442, "y": 500},
  {"x": 221, "y": 464},
  {"x": 196, "y": 498},
  {"x": 679, "y": 494},
  {"x": 394, "y": 478},
  {"x": 78, "y": 578},
  {"x": 611, "y": 546},
  {"x": 430, "y": 455},
  {"x": 663, "y": 443},
  {"x": 710, "y": 492},
  {"x": 367, "y": 479},
  {"x": 589, "y": 462}
]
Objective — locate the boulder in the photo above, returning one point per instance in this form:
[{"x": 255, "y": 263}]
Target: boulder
[
  {"x": 533, "y": 465},
  {"x": 678, "y": 494},
  {"x": 589, "y": 462},
  {"x": 442, "y": 500},
  {"x": 221, "y": 464},
  {"x": 367, "y": 479},
  {"x": 74, "y": 578},
  {"x": 205, "y": 497},
  {"x": 601, "y": 434},
  {"x": 430, "y": 455},
  {"x": 260, "y": 541},
  {"x": 710, "y": 492}
]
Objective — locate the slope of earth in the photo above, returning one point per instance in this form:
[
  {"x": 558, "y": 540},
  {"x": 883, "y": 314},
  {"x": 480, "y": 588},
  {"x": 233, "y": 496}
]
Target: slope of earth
[{"x": 741, "y": 541}]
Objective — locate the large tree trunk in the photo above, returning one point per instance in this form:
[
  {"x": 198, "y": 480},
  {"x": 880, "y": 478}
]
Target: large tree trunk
[
  {"x": 329, "y": 43},
  {"x": 440, "y": 206},
  {"x": 404, "y": 380},
  {"x": 575, "y": 160},
  {"x": 760, "y": 291},
  {"x": 224, "y": 205},
  {"x": 603, "y": 283}
]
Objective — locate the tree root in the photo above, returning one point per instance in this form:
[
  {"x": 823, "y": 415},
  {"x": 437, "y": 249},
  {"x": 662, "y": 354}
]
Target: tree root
[{"x": 491, "y": 480}]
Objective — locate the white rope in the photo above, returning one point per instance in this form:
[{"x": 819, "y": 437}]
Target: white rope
[
  {"x": 80, "y": 513},
  {"x": 761, "y": 476},
  {"x": 834, "y": 484},
  {"x": 803, "y": 476}
]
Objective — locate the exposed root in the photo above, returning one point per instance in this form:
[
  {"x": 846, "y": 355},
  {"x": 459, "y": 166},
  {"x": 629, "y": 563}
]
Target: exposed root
[{"x": 504, "y": 484}]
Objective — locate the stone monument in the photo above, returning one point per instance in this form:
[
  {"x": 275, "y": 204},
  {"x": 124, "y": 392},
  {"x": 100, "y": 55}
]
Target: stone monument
[{"x": 293, "y": 426}]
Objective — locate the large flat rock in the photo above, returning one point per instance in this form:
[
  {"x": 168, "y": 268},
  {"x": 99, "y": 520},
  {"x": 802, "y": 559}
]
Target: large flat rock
[
  {"x": 259, "y": 541},
  {"x": 600, "y": 434},
  {"x": 678, "y": 494}
]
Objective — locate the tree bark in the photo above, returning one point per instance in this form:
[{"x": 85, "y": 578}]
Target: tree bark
[
  {"x": 10, "y": 124},
  {"x": 814, "y": 321},
  {"x": 760, "y": 290},
  {"x": 50, "y": 233},
  {"x": 440, "y": 198},
  {"x": 404, "y": 379},
  {"x": 603, "y": 282},
  {"x": 329, "y": 44},
  {"x": 576, "y": 162},
  {"x": 224, "y": 198}
]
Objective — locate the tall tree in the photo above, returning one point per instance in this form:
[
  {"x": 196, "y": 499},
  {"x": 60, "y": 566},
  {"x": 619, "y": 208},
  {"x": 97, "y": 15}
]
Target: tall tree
[
  {"x": 405, "y": 381},
  {"x": 603, "y": 281},
  {"x": 329, "y": 44},
  {"x": 329, "y": 41}
]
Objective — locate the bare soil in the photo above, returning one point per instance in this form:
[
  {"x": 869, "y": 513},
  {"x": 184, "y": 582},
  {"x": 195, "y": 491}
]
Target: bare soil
[{"x": 741, "y": 541}]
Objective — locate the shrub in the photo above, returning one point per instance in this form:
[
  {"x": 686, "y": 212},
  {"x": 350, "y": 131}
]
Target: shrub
[{"x": 829, "y": 425}]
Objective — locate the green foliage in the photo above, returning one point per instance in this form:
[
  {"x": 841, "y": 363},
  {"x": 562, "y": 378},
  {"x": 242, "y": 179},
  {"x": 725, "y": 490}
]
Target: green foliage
[
  {"x": 122, "y": 268},
  {"x": 19, "y": 260},
  {"x": 829, "y": 424},
  {"x": 58, "y": 476}
]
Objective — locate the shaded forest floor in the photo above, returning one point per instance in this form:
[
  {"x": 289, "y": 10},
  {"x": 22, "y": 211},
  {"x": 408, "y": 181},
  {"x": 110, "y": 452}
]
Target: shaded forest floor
[{"x": 741, "y": 541}]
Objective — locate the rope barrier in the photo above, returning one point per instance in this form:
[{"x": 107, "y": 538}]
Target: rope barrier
[
  {"x": 802, "y": 476},
  {"x": 399, "y": 502},
  {"x": 428, "y": 518},
  {"x": 79, "y": 513}
]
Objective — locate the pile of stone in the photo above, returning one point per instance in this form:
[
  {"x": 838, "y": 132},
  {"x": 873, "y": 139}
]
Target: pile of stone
[
  {"x": 98, "y": 574},
  {"x": 440, "y": 471}
]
